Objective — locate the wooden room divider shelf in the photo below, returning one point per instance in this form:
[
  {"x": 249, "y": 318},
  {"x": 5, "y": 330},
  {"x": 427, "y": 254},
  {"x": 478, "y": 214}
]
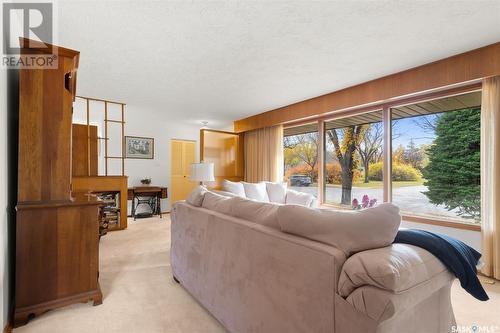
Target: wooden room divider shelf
[
  {"x": 106, "y": 138},
  {"x": 88, "y": 180}
]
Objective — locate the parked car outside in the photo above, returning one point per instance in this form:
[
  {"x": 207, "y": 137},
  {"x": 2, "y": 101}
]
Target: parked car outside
[{"x": 300, "y": 180}]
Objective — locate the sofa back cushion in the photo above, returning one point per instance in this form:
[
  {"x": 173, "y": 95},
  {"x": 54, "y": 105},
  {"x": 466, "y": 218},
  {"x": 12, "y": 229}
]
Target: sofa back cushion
[
  {"x": 258, "y": 212},
  {"x": 277, "y": 192},
  {"x": 349, "y": 231},
  {"x": 217, "y": 203},
  {"x": 233, "y": 187},
  {"x": 256, "y": 191},
  {"x": 250, "y": 210},
  {"x": 196, "y": 196},
  {"x": 298, "y": 198}
]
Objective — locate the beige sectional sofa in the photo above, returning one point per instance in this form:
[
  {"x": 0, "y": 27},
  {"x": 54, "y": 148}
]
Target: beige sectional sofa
[{"x": 233, "y": 257}]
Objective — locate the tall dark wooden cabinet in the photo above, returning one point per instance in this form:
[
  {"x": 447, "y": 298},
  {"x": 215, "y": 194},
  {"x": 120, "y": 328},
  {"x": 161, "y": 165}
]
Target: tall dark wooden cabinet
[{"x": 57, "y": 235}]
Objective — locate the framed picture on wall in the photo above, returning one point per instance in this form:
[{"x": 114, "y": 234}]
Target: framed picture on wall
[{"x": 139, "y": 147}]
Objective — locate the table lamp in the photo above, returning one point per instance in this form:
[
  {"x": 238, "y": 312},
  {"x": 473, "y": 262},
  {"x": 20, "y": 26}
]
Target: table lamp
[{"x": 202, "y": 172}]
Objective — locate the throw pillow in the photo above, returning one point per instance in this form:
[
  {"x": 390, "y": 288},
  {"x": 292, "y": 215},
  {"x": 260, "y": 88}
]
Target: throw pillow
[
  {"x": 298, "y": 198},
  {"x": 256, "y": 191},
  {"x": 233, "y": 187},
  {"x": 277, "y": 192}
]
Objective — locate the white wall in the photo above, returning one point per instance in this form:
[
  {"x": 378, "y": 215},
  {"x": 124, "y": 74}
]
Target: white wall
[
  {"x": 147, "y": 123},
  {"x": 142, "y": 122},
  {"x": 471, "y": 238},
  {"x": 4, "y": 272}
]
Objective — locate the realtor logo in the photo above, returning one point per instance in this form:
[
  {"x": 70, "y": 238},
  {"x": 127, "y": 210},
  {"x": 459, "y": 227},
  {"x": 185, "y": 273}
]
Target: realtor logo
[{"x": 33, "y": 21}]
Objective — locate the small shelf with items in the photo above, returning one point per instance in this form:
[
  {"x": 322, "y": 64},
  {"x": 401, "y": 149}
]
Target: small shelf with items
[{"x": 110, "y": 214}]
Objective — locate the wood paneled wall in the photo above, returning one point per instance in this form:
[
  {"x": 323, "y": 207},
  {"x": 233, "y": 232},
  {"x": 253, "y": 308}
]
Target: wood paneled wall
[
  {"x": 466, "y": 67},
  {"x": 225, "y": 150}
]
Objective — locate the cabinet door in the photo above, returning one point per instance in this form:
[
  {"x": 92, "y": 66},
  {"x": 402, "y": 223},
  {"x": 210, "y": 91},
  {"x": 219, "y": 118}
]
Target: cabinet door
[
  {"x": 176, "y": 171},
  {"x": 182, "y": 155},
  {"x": 188, "y": 157}
]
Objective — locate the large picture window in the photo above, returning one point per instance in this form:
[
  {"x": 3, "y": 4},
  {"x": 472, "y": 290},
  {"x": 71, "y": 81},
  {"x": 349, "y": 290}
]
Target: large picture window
[
  {"x": 436, "y": 158},
  {"x": 424, "y": 157},
  {"x": 354, "y": 160},
  {"x": 301, "y": 157}
]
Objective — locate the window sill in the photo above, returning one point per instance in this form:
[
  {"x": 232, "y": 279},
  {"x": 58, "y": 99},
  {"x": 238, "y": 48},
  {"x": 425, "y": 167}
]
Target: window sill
[
  {"x": 423, "y": 220},
  {"x": 442, "y": 223}
]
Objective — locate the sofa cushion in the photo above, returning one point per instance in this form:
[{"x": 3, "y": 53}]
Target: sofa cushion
[
  {"x": 217, "y": 203},
  {"x": 298, "y": 198},
  {"x": 256, "y": 191},
  {"x": 396, "y": 268},
  {"x": 225, "y": 193},
  {"x": 234, "y": 187},
  {"x": 349, "y": 231},
  {"x": 276, "y": 191},
  {"x": 258, "y": 212},
  {"x": 196, "y": 196}
]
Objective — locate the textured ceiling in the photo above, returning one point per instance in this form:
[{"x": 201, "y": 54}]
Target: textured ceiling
[{"x": 220, "y": 61}]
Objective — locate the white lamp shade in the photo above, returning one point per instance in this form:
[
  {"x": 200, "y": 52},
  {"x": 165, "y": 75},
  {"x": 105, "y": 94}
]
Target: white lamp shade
[{"x": 202, "y": 172}]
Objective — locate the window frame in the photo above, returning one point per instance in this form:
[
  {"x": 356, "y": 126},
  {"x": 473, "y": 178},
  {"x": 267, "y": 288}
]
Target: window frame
[{"x": 386, "y": 107}]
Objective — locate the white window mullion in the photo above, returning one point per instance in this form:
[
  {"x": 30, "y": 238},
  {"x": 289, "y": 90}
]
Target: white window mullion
[{"x": 387, "y": 170}]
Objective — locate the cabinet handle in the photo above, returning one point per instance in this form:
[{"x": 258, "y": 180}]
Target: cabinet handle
[{"x": 67, "y": 81}]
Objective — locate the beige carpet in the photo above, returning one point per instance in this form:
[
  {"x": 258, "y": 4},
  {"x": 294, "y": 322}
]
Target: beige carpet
[{"x": 141, "y": 297}]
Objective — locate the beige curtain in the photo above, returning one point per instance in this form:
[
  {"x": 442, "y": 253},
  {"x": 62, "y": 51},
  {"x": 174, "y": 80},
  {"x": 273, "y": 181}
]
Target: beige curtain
[
  {"x": 490, "y": 177},
  {"x": 264, "y": 154}
]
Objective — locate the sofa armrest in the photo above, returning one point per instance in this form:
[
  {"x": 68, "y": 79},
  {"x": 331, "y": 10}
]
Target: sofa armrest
[
  {"x": 394, "y": 268},
  {"x": 382, "y": 305}
]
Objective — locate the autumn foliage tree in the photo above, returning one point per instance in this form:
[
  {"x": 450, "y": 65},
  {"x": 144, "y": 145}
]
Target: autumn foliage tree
[
  {"x": 344, "y": 151},
  {"x": 370, "y": 146},
  {"x": 302, "y": 149}
]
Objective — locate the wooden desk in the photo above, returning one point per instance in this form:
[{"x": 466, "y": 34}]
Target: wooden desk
[{"x": 147, "y": 195}]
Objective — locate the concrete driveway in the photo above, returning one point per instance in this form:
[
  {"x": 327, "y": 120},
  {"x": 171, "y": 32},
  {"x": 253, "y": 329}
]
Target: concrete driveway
[{"x": 410, "y": 199}]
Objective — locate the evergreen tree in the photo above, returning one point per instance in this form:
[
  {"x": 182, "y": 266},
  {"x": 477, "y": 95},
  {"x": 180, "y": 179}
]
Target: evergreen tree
[{"x": 453, "y": 172}]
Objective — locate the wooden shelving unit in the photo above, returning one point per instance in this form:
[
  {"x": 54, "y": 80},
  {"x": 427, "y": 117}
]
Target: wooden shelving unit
[{"x": 99, "y": 185}]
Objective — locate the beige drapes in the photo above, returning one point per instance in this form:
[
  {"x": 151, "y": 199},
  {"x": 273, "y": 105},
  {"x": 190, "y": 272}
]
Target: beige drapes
[
  {"x": 490, "y": 177},
  {"x": 264, "y": 154}
]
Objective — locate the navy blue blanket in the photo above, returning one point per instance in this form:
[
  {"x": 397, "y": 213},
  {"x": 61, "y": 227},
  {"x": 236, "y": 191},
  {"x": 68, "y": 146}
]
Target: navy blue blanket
[{"x": 457, "y": 256}]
